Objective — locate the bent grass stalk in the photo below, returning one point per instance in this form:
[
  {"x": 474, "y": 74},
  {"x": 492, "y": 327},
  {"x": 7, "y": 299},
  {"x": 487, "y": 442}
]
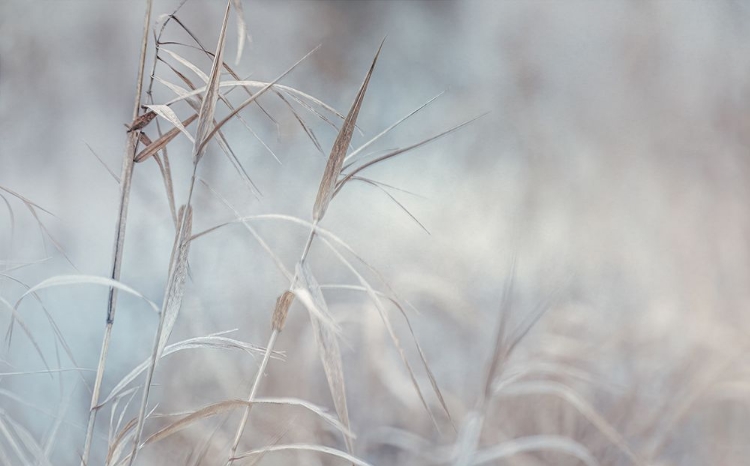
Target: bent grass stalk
[{"x": 325, "y": 194}]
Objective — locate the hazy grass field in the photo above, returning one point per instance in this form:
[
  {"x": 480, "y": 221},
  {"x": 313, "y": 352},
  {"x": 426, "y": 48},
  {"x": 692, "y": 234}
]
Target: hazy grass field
[{"x": 563, "y": 280}]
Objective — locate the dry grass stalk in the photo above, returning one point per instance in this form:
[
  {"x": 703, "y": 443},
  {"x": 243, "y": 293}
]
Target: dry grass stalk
[
  {"x": 178, "y": 264},
  {"x": 125, "y": 184},
  {"x": 340, "y": 147},
  {"x": 325, "y": 193}
]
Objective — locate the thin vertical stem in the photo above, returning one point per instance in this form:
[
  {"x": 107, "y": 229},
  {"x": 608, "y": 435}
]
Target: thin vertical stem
[
  {"x": 269, "y": 349},
  {"x": 182, "y": 237},
  {"x": 251, "y": 397},
  {"x": 125, "y": 184}
]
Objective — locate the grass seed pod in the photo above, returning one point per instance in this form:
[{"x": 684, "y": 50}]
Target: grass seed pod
[{"x": 282, "y": 309}]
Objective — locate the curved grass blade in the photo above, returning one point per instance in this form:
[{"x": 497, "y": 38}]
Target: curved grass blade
[
  {"x": 328, "y": 349},
  {"x": 396, "y": 152},
  {"x": 160, "y": 143}
]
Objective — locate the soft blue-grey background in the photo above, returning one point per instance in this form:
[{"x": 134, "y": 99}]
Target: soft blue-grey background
[{"x": 613, "y": 164}]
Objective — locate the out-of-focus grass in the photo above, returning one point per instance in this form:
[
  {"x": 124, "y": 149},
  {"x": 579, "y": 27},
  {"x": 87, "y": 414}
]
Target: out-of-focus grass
[{"x": 612, "y": 167}]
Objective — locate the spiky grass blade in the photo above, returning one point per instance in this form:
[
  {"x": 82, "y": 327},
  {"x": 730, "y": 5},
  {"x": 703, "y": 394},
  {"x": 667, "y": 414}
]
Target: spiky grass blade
[
  {"x": 340, "y": 147},
  {"x": 394, "y": 153}
]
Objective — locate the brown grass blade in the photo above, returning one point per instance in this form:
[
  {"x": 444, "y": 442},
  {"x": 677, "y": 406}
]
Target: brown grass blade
[
  {"x": 141, "y": 121},
  {"x": 203, "y": 413},
  {"x": 208, "y": 105},
  {"x": 340, "y": 147},
  {"x": 160, "y": 143},
  {"x": 168, "y": 114}
]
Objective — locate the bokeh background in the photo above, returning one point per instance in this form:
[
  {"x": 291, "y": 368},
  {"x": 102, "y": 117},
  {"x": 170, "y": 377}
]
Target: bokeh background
[{"x": 612, "y": 169}]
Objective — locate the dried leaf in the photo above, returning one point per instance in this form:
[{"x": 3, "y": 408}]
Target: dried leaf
[
  {"x": 141, "y": 121},
  {"x": 168, "y": 114},
  {"x": 160, "y": 143},
  {"x": 208, "y": 104},
  {"x": 340, "y": 147}
]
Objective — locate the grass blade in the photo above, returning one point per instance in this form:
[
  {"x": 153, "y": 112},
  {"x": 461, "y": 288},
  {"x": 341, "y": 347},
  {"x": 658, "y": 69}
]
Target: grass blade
[
  {"x": 340, "y": 147},
  {"x": 328, "y": 349}
]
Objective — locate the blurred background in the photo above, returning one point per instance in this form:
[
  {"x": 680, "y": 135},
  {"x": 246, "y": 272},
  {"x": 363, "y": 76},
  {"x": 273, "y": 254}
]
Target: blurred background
[{"x": 611, "y": 169}]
